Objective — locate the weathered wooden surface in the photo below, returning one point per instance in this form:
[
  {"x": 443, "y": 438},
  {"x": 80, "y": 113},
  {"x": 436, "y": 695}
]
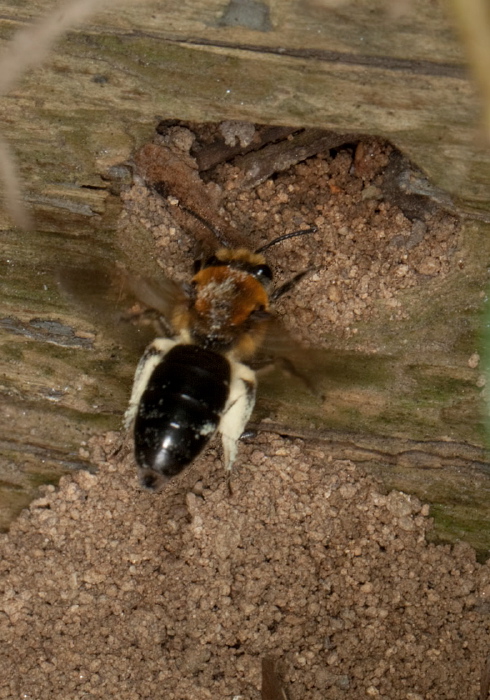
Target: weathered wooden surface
[
  {"x": 355, "y": 69},
  {"x": 352, "y": 68}
]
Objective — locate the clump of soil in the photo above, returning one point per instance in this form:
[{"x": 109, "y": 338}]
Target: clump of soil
[{"x": 108, "y": 591}]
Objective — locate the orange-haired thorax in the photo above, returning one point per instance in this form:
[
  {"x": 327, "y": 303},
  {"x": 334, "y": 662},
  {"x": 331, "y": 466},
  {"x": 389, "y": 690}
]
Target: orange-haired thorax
[{"x": 222, "y": 312}]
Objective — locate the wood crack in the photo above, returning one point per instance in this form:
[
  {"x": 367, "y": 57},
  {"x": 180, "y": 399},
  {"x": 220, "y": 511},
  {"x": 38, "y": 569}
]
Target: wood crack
[
  {"x": 389, "y": 451},
  {"x": 417, "y": 67},
  {"x": 46, "y": 454}
]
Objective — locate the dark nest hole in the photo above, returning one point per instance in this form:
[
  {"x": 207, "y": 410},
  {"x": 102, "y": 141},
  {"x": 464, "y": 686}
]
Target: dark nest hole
[{"x": 382, "y": 227}]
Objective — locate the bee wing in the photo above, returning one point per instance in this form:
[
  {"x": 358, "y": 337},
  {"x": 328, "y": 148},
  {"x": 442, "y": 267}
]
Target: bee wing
[
  {"x": 279, "y": 348},
  {"x": 106, "y": 295},
  {"x": 160, "y": 295}
]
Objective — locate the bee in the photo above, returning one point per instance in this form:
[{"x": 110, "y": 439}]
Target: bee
[{"x": 195, "y": 378}]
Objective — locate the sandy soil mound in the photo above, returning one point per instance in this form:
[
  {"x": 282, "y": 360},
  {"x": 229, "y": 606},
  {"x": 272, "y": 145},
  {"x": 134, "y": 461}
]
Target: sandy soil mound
[{"x": 108, "y": 591}]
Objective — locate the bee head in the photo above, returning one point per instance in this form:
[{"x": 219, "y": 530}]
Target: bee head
[
  {"x": 244, "y": 259},
  {"x": 239, "y": 259}
]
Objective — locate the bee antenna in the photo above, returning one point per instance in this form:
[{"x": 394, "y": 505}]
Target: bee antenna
[
  {"x": 303, "y": 232},
  {"x": 216, "y": 232}
]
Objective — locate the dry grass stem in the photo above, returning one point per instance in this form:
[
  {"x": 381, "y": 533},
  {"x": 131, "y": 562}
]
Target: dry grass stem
[
  {"x": 30, "y": 46},
  {"x": 12, "y": 188},
  {"x": 473, "y": 23},
  {"x": 28, "y": 49}
]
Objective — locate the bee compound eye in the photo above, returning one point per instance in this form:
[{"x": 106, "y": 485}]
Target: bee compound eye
[
  {"x": 263, "y": 273},
  {"x": 212, "y": 261}
]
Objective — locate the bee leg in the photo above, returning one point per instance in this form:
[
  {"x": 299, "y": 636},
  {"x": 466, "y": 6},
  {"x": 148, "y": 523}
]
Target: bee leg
[
  {"x": 290, "y": 369},
  {"x": 123, "y": 449},
  {"x": 246, "y": 435},
  {"x": 237, "y": 411},
  {"x": 118, "y": 449},
  {"x": 249, "y": 434},
  {"x": 228, "y": 484},
  {"x": 153, "y": 354},
  {"x": 287, "y": 286},
  {"x": 266, "y": 369}
]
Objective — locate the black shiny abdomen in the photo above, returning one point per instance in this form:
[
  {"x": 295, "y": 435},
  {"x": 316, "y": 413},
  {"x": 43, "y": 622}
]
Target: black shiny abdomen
[{"x": 180, "y": 408}]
